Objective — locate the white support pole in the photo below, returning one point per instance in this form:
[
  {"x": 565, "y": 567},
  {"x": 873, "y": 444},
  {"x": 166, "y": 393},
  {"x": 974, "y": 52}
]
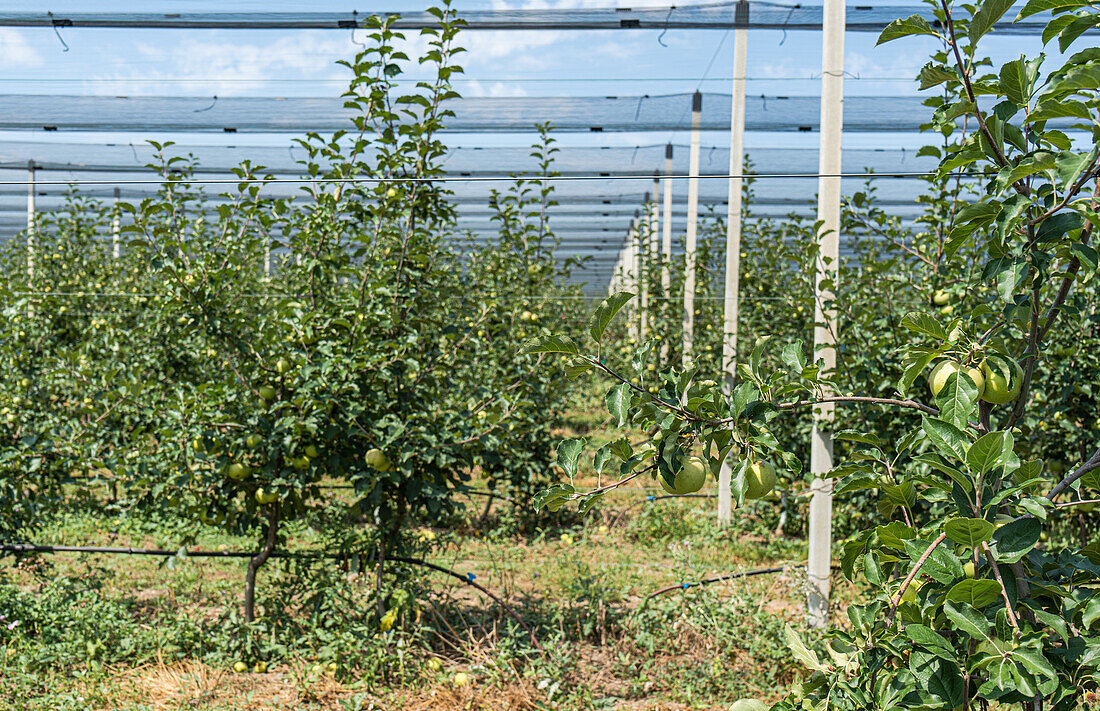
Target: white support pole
[
  {"x": 654, "y": 240},
  {"x": 666, "y": 241},
  {"x": 641, "y": 249},
  {"x": 31, "y": 236},
  {"x": 630, "y": 272},
  {"x": 692, "y": 227},
  {"x": 828, "y": 212},
  {"x": 733, "y": 247},
  {"x": 116, "y": 229}
]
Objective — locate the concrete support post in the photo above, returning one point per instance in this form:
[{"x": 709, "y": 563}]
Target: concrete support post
[
  {"x": 733, "y": 247},
  {"x": 116, "y": 228},
  {"x": 32, "y": 237},
  {"x": 828, "y": 212},
  {"x": 692, "y": 228}
]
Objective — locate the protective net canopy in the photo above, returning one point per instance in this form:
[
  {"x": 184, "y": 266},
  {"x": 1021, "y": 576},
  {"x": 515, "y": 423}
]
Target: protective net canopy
[
  {"x": 718, "y": 15},
  {"x": 670, "y": 112}
]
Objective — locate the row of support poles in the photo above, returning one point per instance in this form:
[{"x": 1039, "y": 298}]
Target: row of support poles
[
  {"x": 690, "y": 237},
  {"x": 828, "y": 214},
  {"x": 731, "y": 305}
]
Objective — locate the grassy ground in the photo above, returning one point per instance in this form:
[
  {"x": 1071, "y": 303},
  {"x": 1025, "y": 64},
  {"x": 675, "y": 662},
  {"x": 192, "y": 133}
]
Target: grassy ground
[
  {"x": 94, "y": 631},
  {"x": 583, "y": 589}
]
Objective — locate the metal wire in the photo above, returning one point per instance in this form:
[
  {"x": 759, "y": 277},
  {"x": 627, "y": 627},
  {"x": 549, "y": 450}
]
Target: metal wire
[{"x": 487, "y": 179}]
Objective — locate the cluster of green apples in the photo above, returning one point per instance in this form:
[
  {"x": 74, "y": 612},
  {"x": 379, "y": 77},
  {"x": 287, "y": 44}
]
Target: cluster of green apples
[
  {"x": 692, "y": 476},
  {"x": 997, "y": 377}
]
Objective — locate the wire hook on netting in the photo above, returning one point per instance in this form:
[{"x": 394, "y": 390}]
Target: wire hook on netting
[
  {"x": 356, "y": 42},
  {"x": 212, "y": 103},
  {"x": 660, "y": 37},
  {"x": 785, "y": 21},
  {"x": 60, "y": 23}
]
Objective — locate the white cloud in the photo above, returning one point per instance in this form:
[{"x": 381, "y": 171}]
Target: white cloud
[
  {"x": 15, "y": 51},
  {"x": 477, "y": 88},
  {"x": 227, "y": 68}
]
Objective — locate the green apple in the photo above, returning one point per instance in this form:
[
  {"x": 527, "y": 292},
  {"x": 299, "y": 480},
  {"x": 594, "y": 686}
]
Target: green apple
[
  {"x": 910, "y": 594},
  {"x": 689, "y": 479},
  {"x": 759, "y": 480},
  {"x": 240, "y": 667},
  {"x": 376, "y": 458},
  {"x": 254, "y": 441},
  {"x": 237, "y": 471},
  {"x": 263, "y": 496},
  {"x": 282, "y": 366},
  {"x": 968, "y": 568},
  {"x": 312, "y": 452},
  {"x": 941, "y": 298},
  {"x": 267, "y": 392},
  {"x": 260, "y": 668},
  {"x": 391, "y": 193},
  {"x": 300, "y": 463},
  {"x": 937, "y": 379},
  {"x": 1000, "y": 389}
]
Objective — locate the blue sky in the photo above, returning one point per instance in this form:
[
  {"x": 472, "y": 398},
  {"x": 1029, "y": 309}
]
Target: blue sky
[
  {"x": 227, "y": 63},
  {"x": 529, "y": 63}
]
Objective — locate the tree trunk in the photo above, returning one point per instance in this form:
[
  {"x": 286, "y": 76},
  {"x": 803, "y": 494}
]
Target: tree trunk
[{"x": 258, "y": 560}]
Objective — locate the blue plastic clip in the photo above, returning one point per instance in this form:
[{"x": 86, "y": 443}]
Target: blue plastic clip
[
  {"x": 650, "y": 497},
  {"x": 685, "y": 586},
  {"x": 470, "y": 577}
]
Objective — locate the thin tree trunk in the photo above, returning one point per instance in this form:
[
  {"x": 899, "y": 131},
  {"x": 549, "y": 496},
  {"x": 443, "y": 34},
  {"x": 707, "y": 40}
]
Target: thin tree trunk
[{"x": 258, "y": 560}]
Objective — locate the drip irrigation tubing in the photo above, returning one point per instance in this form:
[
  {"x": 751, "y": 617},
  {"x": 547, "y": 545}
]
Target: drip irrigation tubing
[
  {"x": 651, "y": 499},
  {"x": 468, "y": 578},
  {"x": 715, "y": 579}
]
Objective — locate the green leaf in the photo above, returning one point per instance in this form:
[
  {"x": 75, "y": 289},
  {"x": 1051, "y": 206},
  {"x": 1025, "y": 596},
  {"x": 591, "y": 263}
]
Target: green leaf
[
  {"x": 556, "y": 493},
  {"x": 924, "y": 324},
  {"x": 621, "y": 448},
  {"x": 1015, "y": 539},
  {"x": 968, "y": 620},
  {"x": 549, "y": 344},
  {"x": 576, "y": 367},
  {"x": 970, "y": 532},
  {"x": 605, "y": 312},
  {"x": 976, "y": 593},
  {"x": 1017, "y": 78},
  {"x": 933, "y": 75},
  {"x": 1071, "y": 165},
  {"x": 569, "y": 451},
  {"x": 619, "y": 399},
  {"x": 945, "y": 682},
  {"x": 991, "y": 450},
  {"x": 948, "y": 439},
  {"x": 915, "y": 362},
  {"x": 749, "y": 705},
  {"x": 930, "y": 640},
  {"x": 800, "y": 651},
  {"x": 1034, "y": 7},
  {"x": 1056, "y": 109},
  {"x": 857, "y": 436},
  {"x": 957, "y": 399},
  {"x": 793, "y": 356},
  {"x": 989, "y": 12},
  {"x": 600, "y": 458},
  {"x": 912, "y": 25}
]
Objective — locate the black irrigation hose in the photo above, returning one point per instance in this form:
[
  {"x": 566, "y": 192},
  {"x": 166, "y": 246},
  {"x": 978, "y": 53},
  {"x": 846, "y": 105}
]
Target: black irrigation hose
[
  {"x": 652, "y": 498},
  {"x": 468, "y": 578},
  {"x": 716, "y": 579}
]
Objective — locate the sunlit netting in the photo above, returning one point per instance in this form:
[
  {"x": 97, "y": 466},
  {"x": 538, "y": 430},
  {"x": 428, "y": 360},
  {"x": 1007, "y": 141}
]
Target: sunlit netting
[
  {"x": 719, "y": 15},
  {"x": 472, "y": 114}
]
